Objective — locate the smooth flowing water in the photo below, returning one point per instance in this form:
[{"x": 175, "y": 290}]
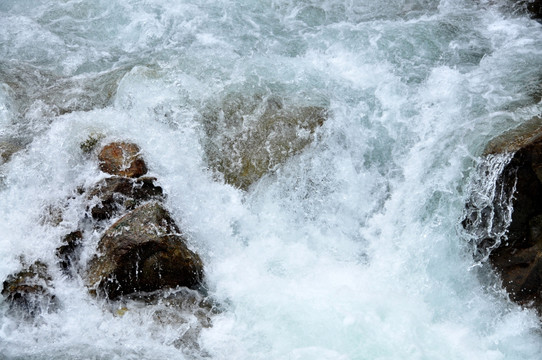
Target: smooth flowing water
[{"x": 352, "y": 249}]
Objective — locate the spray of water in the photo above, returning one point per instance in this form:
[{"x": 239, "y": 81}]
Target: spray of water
[{"x": 351, "y": 248}]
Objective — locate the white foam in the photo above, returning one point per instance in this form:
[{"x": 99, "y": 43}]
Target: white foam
[{"x": 350, "y": 250}]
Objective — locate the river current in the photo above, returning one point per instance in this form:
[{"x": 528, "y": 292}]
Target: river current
[{"x": 351, "y": 249}]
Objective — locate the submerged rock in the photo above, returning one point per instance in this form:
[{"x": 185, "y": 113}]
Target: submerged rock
[
  {"x": 28, "y": 292},
  {"x": 118, "y": 194},
  {"x": 187, "y": 310},
  {"x": 249, "y": 136},
  {"x": 8, "y": 149},
  {"x": 143, "y": 252},
  {"x": 518, "y": 256},
  {"x": 122, "y": 159}
]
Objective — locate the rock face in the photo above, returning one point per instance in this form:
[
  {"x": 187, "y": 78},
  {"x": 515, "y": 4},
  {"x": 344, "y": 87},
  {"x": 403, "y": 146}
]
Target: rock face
[
  {"x": 143, "y": 252},
  {"x": 117, "y": 194},
  {"x": 535, "y": 8},
  {"x": 518, "y": 259},
  {"x": 28, "y": 292},
  {"x": 249, "y": 136},
  {"x": 122, "y": 159}
]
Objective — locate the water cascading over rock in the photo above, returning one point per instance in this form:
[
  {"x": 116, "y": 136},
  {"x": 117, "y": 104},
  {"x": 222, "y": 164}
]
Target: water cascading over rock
[
  {"x": 122, "y": 159},
  {"x": 516, "y": 254},
  {"x": 143, "y": 251},
  {"x": 29, "y": 292},
  {"x": 118, "y": 194},
  {"x": 249, "y": 136}
]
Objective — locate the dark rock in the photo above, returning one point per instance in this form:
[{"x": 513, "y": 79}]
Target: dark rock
[
  {"x": 118, "y": 194},
  {"x": 249, "y": 136},
  {"x": 535, "y": 8},
  {"x": 143, "y": 252},
  {"x": 28, "y": 292},
  {"x": 122, "y": 159},
  {"x": 68, "y": 254},
  {"x": 517, "y": 257}
]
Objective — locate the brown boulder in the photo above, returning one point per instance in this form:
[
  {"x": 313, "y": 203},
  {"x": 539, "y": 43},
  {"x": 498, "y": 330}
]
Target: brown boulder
[
  {"x": 250, "y": 136},
  {"x": 122, "y": 159},
  {"x": 28, "y": 292},
  {"x": 143, "y": 252},
  {"x": 117, "y": 194}
]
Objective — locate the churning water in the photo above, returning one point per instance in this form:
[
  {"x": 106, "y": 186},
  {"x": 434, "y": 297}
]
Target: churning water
[{"x": 352, "y": 249}]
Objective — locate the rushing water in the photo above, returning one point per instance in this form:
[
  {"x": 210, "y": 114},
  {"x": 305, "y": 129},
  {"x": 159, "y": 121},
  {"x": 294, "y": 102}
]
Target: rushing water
[{"x": 352, "y": 249}]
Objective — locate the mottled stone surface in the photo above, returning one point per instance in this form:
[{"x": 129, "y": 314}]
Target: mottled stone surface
[
  {"x": 143, "y": 251},
  {"x": 122, "y": 159}
]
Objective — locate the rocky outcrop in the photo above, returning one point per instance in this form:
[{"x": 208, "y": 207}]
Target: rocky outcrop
[
  {"x": 143, "y": 252},
  {"x": 28, "y": 292},
  {"x": 119, "y": 194},
  {"x": 122, "y": 159},
  {"x": 517, "y": 257},
  {"x": 250, "y": 136}
]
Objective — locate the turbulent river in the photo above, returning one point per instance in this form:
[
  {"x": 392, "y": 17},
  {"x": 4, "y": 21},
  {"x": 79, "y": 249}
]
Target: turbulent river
[{"x": 351, "y": 249}]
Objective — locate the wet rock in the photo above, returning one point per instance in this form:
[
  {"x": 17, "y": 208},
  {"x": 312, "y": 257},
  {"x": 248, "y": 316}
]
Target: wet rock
[
  {"x": 68, "y": 254},
  {"x": 122, "y": 159},
  {"x": 518, "y": 257},
  {"x": 535, "y": 8},
  {"x": 518, "y": 260},
  {"x": 28, "y": 292},
  {"x": 117, "y": 194},
  {"x": 143, "y": 252},
  {"x": 249, "y": 136},
  {"x": 516, "y": 139}
]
